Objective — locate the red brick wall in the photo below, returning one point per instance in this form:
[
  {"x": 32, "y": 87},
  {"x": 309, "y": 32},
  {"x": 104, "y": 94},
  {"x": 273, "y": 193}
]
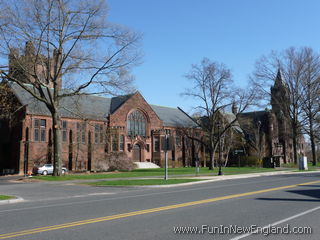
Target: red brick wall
[
  {"x": 39, "y": 151},
  {"x": 119, "y": 119}
]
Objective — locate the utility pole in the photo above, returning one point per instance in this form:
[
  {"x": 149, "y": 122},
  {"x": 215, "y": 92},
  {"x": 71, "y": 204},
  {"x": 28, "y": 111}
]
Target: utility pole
[{"x": 166, "y": 148}]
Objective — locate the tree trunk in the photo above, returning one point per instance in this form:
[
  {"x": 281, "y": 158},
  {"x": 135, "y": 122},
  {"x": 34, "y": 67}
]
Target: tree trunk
[
  {"x": 312, "y": 141},
  {"x": 294, "y": 141},
  {"x": 212, "y": 153},
  {"x": 227, "y": 157},
  {"x": 56, "y": 127},
  {"x": 211, "y": 160},
  {"x": 313, "y": 149}
]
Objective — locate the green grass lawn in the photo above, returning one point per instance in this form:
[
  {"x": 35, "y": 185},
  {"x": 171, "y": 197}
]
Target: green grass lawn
[
  {"x": 141, "y": 182},
  {"x": 4, "y": 197},
  {"x": 296, "y": 167},
  {"x": 155, "y": 172}
]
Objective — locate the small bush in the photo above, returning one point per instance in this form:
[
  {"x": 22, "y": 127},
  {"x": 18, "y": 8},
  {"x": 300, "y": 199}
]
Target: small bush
[
  {"x": 120, "y": 162},
  {"x": 251, "y": 161},
  {"x": 102, "y": 166},
  {"x": 289, "y": 165}
]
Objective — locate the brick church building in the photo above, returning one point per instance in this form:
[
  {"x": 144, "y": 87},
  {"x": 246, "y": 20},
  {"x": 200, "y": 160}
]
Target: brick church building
[{"x": 93, "y": 127}]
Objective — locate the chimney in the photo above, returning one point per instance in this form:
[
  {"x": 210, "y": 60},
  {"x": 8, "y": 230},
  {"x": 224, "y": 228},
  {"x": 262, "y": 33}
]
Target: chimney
[
  {"x": 56, "y": 65},
  {"x": 29, "y": 50},
  {"x": 13, "y": 57},
  {"x": 234, "y": 108}
]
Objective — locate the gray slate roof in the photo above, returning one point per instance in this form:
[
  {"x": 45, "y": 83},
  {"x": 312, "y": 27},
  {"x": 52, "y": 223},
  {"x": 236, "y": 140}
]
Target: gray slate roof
[
  {"x": 84, "y": 106},
  {"x": 230, "y": 117},
  {"x": 96, "y": 107},
  {"x": 173, "y": 117}
]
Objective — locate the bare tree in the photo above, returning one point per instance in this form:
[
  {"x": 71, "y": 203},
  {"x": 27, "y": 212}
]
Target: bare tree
[
  {"x": 231, "y": 139},
  {"x": 299, "y": 71},
  {"x": 310, "y": 97},
  {"x": 70, "y": 40},
  {"x": 212, "y": 88}
]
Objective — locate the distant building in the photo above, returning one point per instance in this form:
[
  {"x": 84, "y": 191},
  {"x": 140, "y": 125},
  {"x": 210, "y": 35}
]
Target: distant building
[{"x": 268, "y": 133}]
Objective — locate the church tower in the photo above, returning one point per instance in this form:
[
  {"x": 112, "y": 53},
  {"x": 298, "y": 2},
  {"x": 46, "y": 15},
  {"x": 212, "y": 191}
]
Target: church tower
[
  {"x": 280, "y": 96},
  {"x": 280, "y": 103},
  {"x": 31, "y": 64}
]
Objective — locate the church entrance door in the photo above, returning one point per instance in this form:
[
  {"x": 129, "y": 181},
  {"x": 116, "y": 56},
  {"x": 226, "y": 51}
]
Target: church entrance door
[{"x": 136, "y": 152}]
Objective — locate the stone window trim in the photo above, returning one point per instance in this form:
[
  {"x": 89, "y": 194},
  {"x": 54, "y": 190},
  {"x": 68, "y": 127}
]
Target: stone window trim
[
  {"x": 122, "y": 143},
  {"x": 156, "y": 143},
  {"x": 40, "y": 128},
  {"x": 137, "y": 123},
  {"x": 81, "y": 132},
  {"x": 98, "y": 133},
  {"x": 115, "y": 142},
  {"x": 64, "y": 131}
]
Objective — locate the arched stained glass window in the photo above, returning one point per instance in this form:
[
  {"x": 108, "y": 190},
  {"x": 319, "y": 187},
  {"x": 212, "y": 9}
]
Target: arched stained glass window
[{"x": 136, "y": 124}]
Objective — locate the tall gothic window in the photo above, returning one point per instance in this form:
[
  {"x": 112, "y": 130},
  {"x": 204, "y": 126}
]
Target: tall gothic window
[
  {"x": 114, "y": 141},
  {"x": 121, "y": 142},
  {"x": 81, "y": 132},
  {"x": 137, "y": 124},
  {"x": 98, "y": 133},
  {"x": 64, "y": 131},
  {"x": 40, "y": 130}
]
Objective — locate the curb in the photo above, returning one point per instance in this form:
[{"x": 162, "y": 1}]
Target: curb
[
  {"x": 226, "y": 177},
  {"x": 9, "y": 201}
]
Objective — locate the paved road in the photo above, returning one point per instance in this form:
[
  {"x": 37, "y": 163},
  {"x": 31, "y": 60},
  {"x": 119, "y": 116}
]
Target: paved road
[{"x": 66, "y": 211}]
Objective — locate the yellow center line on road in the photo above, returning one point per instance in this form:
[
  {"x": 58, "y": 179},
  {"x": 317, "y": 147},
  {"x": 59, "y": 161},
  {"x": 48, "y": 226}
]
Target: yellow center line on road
[{"x": 140, "y": 212}]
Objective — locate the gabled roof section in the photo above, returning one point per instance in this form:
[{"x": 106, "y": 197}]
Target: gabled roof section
[
  {"x": 230, "y": 117},
  {"x": 96, "y": 107},
  {"x": 251, "y": 122},
  {"x": 256, "y": 115},
  {"x": 118, "y": 101},
  {"x": 82, "y": 106},
  {"x": 173, "y": 117}
]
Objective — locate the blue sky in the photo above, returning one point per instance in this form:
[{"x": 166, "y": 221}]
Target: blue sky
[{"x": 178, "y": 33}]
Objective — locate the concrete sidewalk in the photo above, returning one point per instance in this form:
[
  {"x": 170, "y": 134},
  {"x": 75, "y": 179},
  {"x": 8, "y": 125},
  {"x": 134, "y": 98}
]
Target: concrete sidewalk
[
  {"x": 206, "y": 179},
  {"x": 212, "y": 178}
]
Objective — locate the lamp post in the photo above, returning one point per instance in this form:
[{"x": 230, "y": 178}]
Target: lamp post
[
  {"x": 25, "y": 160},
  {"x": 220, "y": 157},
  {"x": 166, "y": 148},
  {"x": 259, "y": 138}
]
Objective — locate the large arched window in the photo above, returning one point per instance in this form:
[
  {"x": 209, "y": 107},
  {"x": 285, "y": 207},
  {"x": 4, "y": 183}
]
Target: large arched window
[{"x": 137, "y": 124}]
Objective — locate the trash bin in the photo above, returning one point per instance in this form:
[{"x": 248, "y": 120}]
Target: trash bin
[{"x": 303, "y": 164}]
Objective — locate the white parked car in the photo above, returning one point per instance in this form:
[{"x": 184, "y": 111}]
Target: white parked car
[{"x": 47, "y": 169}]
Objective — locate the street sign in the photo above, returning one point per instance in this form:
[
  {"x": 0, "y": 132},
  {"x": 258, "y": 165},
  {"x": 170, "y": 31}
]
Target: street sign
[
  {"x": 167, "y": 143},
  {"x": 238, "y": 151}
]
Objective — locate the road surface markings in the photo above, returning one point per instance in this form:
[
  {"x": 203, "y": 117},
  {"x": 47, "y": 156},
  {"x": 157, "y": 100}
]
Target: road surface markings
[
  {"x": 130, "y": 196},
  {"x": 277, "y": 223},
  {"x": 140, "y": 212}
]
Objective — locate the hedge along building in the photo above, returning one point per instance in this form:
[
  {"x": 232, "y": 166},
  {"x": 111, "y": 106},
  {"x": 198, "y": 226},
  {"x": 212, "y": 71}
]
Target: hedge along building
[{"x": 92, "y": 128}]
